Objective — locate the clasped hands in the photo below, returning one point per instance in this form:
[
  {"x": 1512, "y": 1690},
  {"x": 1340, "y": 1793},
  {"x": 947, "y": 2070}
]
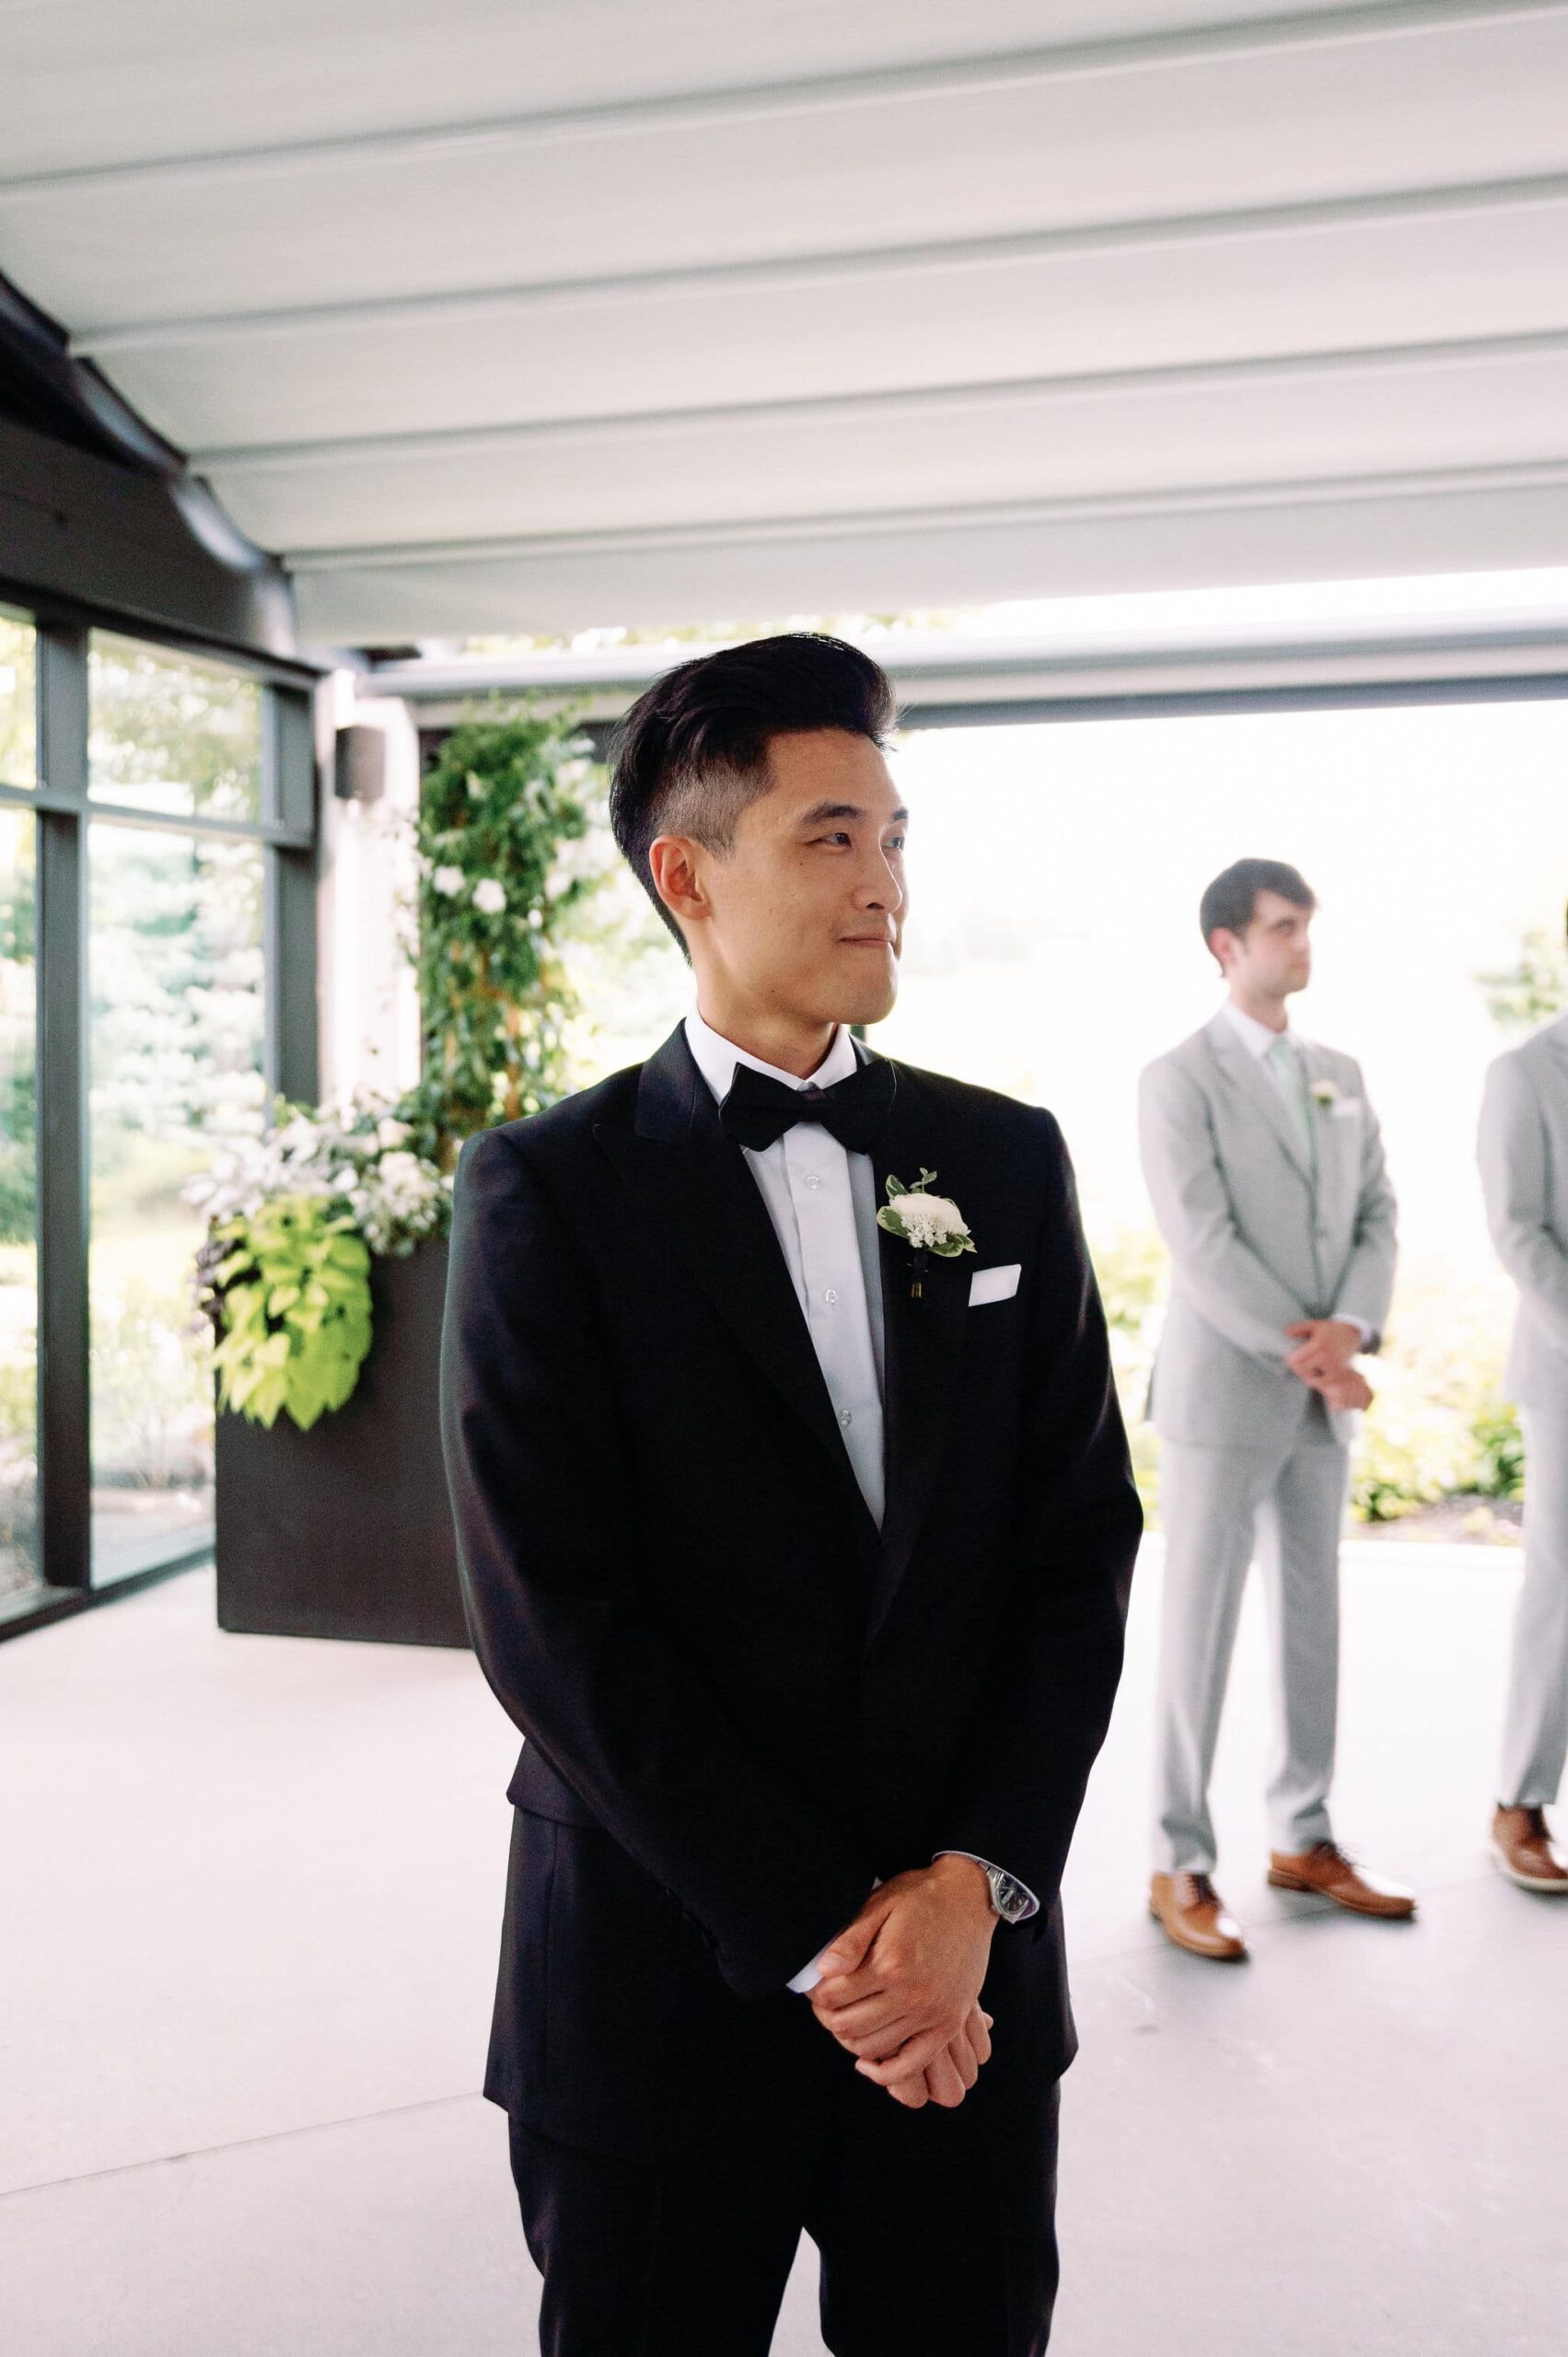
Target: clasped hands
[
  {"x": 1325, "y": 1350},
  {"x": 901, "y": 1984}
]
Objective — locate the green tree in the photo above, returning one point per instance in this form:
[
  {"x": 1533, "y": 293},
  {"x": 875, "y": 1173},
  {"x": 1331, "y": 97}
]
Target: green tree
[
  {"x": 19, "y": 726},
  {"x": 18, "y": 1102},
  {"x": 1533, "y": 990},
  {"x": 172, "y": 733}
]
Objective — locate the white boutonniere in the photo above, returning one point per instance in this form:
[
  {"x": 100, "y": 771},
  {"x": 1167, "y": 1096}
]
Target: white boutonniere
[
  {"x": 1324, "y": 1093},
  {"x": 927, "y": 1222}
]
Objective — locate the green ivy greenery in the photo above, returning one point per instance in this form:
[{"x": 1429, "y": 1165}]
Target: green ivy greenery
[
  {"x": 295, "y": 1293},
  {"x": 499, "y": 808}
]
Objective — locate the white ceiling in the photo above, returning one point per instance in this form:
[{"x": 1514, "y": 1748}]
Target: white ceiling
[{"x": 499, "y": 316}]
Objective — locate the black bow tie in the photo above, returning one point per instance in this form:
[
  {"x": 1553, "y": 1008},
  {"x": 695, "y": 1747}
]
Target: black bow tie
[{"x": 757, "y": 1110}]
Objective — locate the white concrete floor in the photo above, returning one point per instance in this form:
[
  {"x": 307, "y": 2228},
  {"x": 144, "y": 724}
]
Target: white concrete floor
[{"x": 248, "y": 1911}]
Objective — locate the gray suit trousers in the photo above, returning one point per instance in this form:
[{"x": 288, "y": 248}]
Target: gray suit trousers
[
  {"x": 1534, "y": 1738},
  {"x": 1222, "y": 1507}
]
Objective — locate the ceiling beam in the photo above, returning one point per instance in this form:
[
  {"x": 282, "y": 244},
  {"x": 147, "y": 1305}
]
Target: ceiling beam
[
  {"x": 900, "y": 402},
  {"x": 1445, "y": 201},
  {"x": 1112, "y": 507},
  {"x": 911, "y": 658},
  {"x": 1116, "y": 53}
]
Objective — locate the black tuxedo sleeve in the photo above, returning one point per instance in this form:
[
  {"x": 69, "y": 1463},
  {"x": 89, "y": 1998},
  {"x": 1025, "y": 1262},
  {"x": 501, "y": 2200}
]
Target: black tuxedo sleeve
[
  {"x": 565, "y": 1627},
  {"x": 1022, "y": 1772}
]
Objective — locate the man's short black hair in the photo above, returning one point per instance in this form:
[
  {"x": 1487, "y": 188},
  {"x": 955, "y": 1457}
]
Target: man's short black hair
[
  {"x": 692, "y": 751},
  {"x": 1232, "y": 899}
]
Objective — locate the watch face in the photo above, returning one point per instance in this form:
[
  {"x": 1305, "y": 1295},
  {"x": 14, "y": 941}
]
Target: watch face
[{"x": 1009, "y": 1899}]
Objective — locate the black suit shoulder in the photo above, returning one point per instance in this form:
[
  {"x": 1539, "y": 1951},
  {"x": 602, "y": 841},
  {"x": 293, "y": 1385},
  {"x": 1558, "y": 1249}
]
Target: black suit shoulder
[
  {"x": 562, "y": 1128},
  {"x": 987, "y": 1111}
]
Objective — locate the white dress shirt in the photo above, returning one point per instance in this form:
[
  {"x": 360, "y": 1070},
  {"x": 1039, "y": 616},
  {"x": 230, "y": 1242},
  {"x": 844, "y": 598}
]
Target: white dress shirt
[
  {"x": 1259, "y": 1040},
  {"x": 822, "y": 1201}
]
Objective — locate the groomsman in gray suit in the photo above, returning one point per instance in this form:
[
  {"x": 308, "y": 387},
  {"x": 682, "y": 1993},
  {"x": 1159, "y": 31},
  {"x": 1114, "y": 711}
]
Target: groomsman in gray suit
[
  {"x": 1523, "y": 1151},
  {"x": 1265, "y": 1167}
]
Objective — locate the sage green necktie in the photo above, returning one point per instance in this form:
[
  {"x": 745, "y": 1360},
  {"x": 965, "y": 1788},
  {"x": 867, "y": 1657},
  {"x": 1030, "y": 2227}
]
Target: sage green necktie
[{"x": 1291, "y": 1078}]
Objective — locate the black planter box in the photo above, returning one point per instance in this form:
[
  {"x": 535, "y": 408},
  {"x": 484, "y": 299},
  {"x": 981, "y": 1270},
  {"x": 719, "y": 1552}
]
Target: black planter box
[{"x": 345, "y": 1530}]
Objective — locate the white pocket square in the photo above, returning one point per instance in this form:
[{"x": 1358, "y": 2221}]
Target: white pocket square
[
  {"x": 995, "y": 1285},
  {"x": 1345, "y": 1108}
]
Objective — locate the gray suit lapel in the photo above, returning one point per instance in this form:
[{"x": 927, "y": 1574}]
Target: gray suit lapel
[
  {"x": 1244, "y": 1071},
  {"x": 1339, "y": 1146},
  {"x": 1557, "y": 1039}
]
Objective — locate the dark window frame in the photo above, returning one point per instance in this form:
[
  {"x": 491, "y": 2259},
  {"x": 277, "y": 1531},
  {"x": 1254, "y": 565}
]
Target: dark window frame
[{"x": 291, "y": 832}]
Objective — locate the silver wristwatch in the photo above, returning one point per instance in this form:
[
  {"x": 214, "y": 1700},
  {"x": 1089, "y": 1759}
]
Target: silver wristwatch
[{"x": 1009, "y": 1899}]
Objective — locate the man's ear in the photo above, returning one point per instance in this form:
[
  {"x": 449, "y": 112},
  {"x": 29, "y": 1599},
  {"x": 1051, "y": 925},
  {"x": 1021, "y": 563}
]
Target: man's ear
[{"x": 672, "y": 864}]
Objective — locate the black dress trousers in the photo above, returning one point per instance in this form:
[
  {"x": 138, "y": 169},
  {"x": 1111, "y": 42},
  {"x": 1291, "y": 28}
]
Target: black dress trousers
[{"x": 935, "y": 2227}]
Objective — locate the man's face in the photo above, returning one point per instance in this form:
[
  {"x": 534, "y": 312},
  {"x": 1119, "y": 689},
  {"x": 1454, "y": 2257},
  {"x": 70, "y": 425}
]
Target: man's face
[
  {"x": 1272, "y": 955},
  {"x": 804, "y": 915}
]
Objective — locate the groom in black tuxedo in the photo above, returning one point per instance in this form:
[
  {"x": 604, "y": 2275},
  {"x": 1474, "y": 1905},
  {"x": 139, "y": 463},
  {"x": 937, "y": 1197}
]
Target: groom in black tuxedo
[{"x": 798, "y": 1546}]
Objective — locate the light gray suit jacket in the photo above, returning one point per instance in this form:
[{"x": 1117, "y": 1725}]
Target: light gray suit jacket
[
  {"x": 1257, "y": 1243},
  {"x": 1522, "y": 1152}
]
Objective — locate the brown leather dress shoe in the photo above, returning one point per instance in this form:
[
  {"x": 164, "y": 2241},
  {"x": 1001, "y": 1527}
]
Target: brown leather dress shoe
[
  {"x": 1326, "y": 1872},
  {"x": 1523, "y": 1847},
  {"x": 1189, "y": 1910}
]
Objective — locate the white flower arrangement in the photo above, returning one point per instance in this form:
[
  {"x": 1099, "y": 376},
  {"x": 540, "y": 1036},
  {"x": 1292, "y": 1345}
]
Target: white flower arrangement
[
  {"x": 490, "y": 896},
  {"x": 448, "y": 882},
  {"x": 930, "y": 1222},
  {"x": 1325, "y": 1093},
  {"x": 355, "y": 1155}
]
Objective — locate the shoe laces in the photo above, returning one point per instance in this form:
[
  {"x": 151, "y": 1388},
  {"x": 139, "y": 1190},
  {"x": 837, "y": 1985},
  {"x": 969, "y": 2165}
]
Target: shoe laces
[{"x": 1203, "y": 1891}]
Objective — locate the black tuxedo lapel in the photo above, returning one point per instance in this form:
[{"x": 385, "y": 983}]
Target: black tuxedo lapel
[
  {"x": 923, "y": 1338},
  {"x": 702, "y": 1201}
]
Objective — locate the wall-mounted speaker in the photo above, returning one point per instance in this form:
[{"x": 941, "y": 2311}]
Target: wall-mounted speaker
[{"x": 360, "y": 767}]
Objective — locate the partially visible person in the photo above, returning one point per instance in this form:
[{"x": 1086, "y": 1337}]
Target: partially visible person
[
  {"x": 1523, "y": 1153},
  {"x": 1265, "y": 1167}
]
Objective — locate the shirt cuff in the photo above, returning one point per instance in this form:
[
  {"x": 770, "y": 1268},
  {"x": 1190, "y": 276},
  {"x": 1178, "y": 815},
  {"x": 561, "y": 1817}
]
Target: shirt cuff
[
  {"x": 810, "y": 1974},
  {"x": 1033, "y": 1907},
  {"x": 1364, "y": 1326}
]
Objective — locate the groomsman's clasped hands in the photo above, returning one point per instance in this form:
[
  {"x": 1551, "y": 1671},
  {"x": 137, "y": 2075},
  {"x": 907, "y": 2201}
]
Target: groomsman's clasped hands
[
  {"x": 901, "y": 1985},
  {"x": 1324, "y": 1358}
]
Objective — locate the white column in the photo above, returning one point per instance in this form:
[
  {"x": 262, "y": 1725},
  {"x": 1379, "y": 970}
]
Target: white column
[{"x": 369, "y": 996}]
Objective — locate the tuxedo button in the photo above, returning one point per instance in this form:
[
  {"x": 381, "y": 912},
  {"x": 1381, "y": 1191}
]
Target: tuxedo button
[
  {"x": 846, "y": 1416},
  {"x": 831, "y": 1295},
  {"x": 812, "y": 1179}
]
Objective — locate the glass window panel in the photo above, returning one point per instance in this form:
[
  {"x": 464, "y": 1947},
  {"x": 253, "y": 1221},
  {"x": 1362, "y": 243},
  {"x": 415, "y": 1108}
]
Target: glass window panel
[
  {"x": 20, "y": 1570},
  {"x": 18, "y": 720},
  {"x": 176, "y": 1015},
  {"x": 172, "y": 732}
]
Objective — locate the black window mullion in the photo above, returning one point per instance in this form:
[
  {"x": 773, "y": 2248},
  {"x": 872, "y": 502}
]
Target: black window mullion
[
  {"x": 292, "y": 874},
  {"x": 63, "y": 1443}
]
